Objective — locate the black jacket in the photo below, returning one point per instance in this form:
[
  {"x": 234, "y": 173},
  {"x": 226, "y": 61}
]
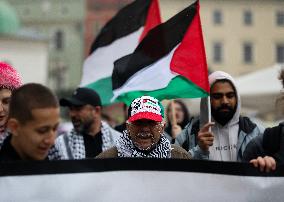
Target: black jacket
[
  {"x": 7, "y": 152},
  {"x": 270, "y": 144}
]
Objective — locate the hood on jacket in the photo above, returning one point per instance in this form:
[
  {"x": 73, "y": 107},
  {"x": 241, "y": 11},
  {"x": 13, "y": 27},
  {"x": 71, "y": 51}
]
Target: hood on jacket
[{"x": 213, "y": 78}]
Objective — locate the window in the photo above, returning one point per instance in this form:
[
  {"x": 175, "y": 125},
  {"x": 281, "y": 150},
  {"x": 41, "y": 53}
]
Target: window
[
  {"x": 280, "y": 18},
  {"x": 247, "y": 53},
  {"x": 217, "y": 17},
  {"x": 217, "y": 52},
  {"x": 280, "y": 53},
  {"x": 59, "y": 40},
  {"x": 247, "y": 18}
]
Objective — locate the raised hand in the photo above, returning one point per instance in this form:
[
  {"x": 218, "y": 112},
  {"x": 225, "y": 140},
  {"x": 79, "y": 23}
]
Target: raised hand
[{"x": 205, "y": 137}]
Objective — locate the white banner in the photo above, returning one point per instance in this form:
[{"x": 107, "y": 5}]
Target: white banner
[{"x": 135, "y": 181}]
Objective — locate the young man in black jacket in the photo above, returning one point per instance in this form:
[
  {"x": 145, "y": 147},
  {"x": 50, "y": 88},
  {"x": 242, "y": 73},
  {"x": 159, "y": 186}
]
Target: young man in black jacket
[
  {"x": 267, "y": 150},
  {"x": 32, "y": 122}
]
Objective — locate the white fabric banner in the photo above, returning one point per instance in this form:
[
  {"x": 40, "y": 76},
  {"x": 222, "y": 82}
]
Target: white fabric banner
[{"x": 140, "y": 185}]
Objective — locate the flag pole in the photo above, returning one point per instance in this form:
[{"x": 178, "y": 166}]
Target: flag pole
[
  {"x": 209, "y": 110},
  {"x": 173, "y": 117}
]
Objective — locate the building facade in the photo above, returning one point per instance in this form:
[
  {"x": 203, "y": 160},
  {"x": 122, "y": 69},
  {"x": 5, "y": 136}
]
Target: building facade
[
  {"x": 61, "y": 21},
  {"x": 26, "y": 52},
  {"x": 240, "y": 36},
  {"x": 99, "y": 12}
]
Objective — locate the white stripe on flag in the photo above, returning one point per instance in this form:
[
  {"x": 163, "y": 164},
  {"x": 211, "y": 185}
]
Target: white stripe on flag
[
  {"x": 153, "y": 77},
  {"x": 100, "y": 63}
]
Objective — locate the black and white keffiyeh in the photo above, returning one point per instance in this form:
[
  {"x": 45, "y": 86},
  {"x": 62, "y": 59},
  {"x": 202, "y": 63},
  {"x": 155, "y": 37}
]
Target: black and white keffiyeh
[
  {"x": 106, "y": 137},
  {"x": 71, "y": 146},
  {"x": 126, "y": 148}
]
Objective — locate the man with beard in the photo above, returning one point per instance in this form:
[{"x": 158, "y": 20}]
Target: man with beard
[
  {"x": 9, "y": 81},
  {"x": 90, "y": 135},
  {"x": 144, "y": 136},
  {"x": 230, "y": 133}
]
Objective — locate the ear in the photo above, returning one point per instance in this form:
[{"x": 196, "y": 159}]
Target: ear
[
  {"x": 163, "y": 123},
  {"x": 98, "y": 109},
  {"x": 13, "y": 125},
  {"x": 127, "y": 125}
]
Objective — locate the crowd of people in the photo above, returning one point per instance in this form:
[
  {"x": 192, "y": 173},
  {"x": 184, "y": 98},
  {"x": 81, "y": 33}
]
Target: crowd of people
[{"x": 29, "y": 119}]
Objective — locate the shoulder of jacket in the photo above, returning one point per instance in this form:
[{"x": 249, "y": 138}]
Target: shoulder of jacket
[
  {"x": 179, "y": 153},
  {"x": 274, "y": 131},
  {"x": 105, "y": 125},
  {"x": 67, "y": 136},
  {"x": 115, "y": 132},
  {"x": 193, "y": 124},
  {"x": 246, "y": 124},
  {"x": 109, "y": 153}
]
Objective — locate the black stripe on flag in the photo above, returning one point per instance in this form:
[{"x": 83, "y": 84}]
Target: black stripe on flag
[
  {"x": 127, "y": 20},
  {"x": 156, "y": 44},
  {"x": 135, "y": 164}
]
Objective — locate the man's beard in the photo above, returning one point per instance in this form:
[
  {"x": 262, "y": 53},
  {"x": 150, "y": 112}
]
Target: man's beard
[
  {"x": 84, "y": 126},
  {"x": 223, "y": 117}
]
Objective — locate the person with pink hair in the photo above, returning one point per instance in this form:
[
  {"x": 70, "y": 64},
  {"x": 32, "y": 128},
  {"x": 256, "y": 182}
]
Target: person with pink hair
[{"x": 9, "y": 80}]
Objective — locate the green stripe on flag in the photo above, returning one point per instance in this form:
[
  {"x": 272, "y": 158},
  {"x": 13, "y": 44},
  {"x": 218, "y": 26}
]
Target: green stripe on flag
[
  {"x": 104, "y": 88},
  {"x": 179, "y": 87}
]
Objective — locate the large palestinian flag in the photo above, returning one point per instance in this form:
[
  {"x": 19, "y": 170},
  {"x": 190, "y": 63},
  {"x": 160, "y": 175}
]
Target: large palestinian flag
[
  {"x": 170, "y": 62},
  {"x": 119, "y": 37}
]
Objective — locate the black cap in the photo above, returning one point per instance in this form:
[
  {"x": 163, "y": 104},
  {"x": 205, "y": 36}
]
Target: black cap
[{"x": 80, "y": 97}]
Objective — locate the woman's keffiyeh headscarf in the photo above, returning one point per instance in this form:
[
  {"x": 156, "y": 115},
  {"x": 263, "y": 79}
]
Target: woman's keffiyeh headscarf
[{"x": 9, "y": 78}]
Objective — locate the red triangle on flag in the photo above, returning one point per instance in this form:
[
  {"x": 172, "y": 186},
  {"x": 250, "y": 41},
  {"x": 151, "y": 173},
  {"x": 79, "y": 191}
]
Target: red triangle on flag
[
  {"x": 189, "y": 59},
  {"x": 153, "y": 18}
]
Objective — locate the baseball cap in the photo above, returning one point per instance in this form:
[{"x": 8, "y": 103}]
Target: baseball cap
[
  {"x": 145, "y": 107},
  {"x": 80, "y": 97}
]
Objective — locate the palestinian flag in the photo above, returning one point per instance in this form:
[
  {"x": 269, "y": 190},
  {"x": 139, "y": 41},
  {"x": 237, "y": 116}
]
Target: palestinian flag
[
  {"x": 119, "y": 37},
  {"x": 170, "y": 62}
]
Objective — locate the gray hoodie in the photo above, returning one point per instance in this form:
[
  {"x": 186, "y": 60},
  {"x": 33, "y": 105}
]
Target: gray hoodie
[
  {"x": 229, "y": 140},
  {"x": 225, "y": 137}
]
